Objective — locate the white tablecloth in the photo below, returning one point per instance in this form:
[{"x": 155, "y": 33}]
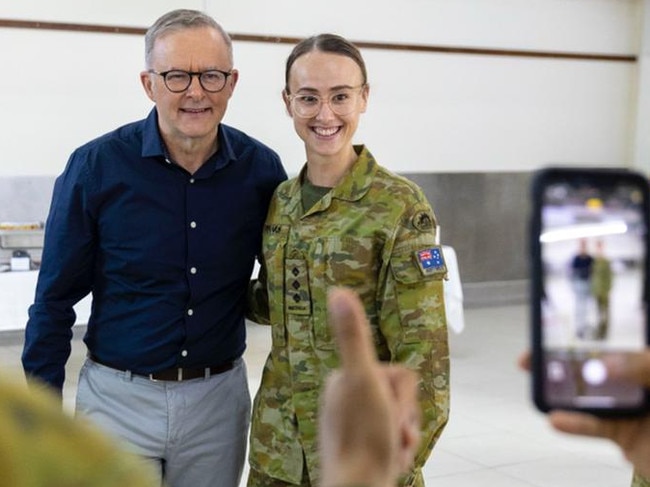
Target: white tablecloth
[
  {"x": 17, "y": 294},
  {"x": 453, "y": 291}
]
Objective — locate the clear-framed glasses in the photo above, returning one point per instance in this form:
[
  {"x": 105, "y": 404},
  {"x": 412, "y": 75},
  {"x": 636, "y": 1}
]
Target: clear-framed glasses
[
  {"x": 342, "y": 102},
  {"x": 177, "y": 80}
]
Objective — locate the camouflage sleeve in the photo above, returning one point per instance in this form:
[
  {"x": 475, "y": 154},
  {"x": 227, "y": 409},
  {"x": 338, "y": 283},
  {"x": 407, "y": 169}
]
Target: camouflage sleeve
[
  {"x": 412, "y": 318},
  {"x": 639, "y": 481},
  {"x": 41, "y": 445}
]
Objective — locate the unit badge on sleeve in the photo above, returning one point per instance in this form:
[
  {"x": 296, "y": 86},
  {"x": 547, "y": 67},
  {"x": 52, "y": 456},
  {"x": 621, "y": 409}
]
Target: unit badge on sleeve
[{"x": 422, "y": 221}]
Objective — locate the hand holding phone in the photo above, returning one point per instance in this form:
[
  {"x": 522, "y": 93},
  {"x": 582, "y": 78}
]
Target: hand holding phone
[{"x": 589, "y": 287}]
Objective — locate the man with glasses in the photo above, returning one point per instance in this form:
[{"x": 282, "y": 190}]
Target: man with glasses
[{"x": 161, "y": 220}]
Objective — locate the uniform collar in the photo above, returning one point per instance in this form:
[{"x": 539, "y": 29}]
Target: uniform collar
[
  {"x": 358, "y": 179},
  {"x": 354, "y": 185}
]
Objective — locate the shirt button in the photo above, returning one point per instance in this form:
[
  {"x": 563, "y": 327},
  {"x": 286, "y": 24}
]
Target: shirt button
[
  {"x": 184, "y": 353},
  {"x": 190, "y": 312},
  {"x": 191, "y": 180},
  {"x": 193, "y": 224},
  {"x": 193, "y": 270}
]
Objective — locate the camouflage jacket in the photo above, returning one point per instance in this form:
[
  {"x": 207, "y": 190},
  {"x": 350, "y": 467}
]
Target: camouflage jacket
[
  {"x": 41, "y": 446},
  {"x": 375, "y": 233},
  {"x": 639, "y": 481},
  {"x": 601, "y": 278}
]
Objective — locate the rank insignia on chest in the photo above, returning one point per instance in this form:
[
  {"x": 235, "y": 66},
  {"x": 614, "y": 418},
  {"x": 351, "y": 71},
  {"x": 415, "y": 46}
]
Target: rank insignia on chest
[{"x": 431, "y": 261}]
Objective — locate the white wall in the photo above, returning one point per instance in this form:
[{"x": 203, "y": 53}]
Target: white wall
[
  {"x": 428, "y": 112},
  {"x": 563, "y": 25},
  {"x": 110, "y": 12}
]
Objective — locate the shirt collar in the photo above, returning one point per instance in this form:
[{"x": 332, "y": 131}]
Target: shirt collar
[{"x": 153, "y": 145}]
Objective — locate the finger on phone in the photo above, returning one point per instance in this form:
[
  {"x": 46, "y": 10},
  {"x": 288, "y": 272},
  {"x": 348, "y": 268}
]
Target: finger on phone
[
  {"x": 580, "y": 424},
  {"x": 631, "y": 366},
  {"x": 524, "y": 360}
]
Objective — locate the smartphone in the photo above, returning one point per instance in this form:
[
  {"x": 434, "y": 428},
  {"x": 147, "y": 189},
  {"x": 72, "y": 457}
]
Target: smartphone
[{"x": 589, "y": 286}]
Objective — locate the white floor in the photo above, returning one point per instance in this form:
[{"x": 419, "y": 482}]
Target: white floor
[{"x": 494, "y": 437}]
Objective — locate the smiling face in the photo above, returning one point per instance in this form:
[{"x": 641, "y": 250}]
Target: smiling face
[
  {"x": 194, "y": 115},
  {"x": 327, "y": 136}
]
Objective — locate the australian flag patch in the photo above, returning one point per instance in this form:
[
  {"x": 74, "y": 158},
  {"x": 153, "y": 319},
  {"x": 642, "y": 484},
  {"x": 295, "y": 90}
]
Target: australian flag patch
[{"x": 431, "y": 261}]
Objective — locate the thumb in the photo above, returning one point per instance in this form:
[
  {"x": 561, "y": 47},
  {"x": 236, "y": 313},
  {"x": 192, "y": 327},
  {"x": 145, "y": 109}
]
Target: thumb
[{"x": 352, "y": 333}]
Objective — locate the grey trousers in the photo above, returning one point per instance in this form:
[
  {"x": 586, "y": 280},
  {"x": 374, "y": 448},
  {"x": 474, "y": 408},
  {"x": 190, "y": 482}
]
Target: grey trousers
[{"x": 193, "y": 432}]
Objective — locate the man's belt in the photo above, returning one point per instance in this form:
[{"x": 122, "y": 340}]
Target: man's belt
[{"x": 175, "y": 374}]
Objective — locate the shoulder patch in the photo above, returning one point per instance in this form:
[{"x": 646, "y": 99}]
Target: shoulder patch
[
  {"x": 431, "y": 261},
  {"x": 422, "y": 221}
]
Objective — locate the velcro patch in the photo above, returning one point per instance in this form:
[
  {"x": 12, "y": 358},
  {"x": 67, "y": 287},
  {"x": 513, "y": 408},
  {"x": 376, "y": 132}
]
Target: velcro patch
[{"x": 431, "y": 261}]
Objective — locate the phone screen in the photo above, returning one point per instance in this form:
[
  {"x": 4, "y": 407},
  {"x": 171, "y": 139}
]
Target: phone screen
[{"x": 590, "y": 286}]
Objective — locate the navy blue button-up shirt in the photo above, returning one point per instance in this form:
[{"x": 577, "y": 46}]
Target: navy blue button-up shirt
[{"x": 167, "y": 255}]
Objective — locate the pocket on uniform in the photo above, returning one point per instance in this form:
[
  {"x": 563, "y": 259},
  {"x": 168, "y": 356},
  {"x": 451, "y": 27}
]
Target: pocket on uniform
[
  {"x": 419, "y": 294},
  {"x": 274, "y": 243},
  {"x": 347, "y": 261},
  {"x": 418, "y": 265}
]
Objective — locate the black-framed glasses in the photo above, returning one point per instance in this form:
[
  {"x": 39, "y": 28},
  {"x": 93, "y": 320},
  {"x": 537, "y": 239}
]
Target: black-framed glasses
[
  {"x": 177, "y": 80},
  {"x": 342, "y": 102}
]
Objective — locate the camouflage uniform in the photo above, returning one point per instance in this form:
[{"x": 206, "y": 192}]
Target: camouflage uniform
[
  {"x": 375, "y": 233},
  {"x": 639, "y": 481},
  {"x": 40, "y": 446},
  {"x": 601, "y": 285}
]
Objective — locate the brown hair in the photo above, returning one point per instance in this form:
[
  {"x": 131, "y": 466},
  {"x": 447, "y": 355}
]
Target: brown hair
[{"x": 331, "y": 43}]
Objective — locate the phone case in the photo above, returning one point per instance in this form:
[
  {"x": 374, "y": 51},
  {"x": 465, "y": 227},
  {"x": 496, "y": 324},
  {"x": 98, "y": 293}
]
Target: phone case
[{"x": 583, "y": 302}]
